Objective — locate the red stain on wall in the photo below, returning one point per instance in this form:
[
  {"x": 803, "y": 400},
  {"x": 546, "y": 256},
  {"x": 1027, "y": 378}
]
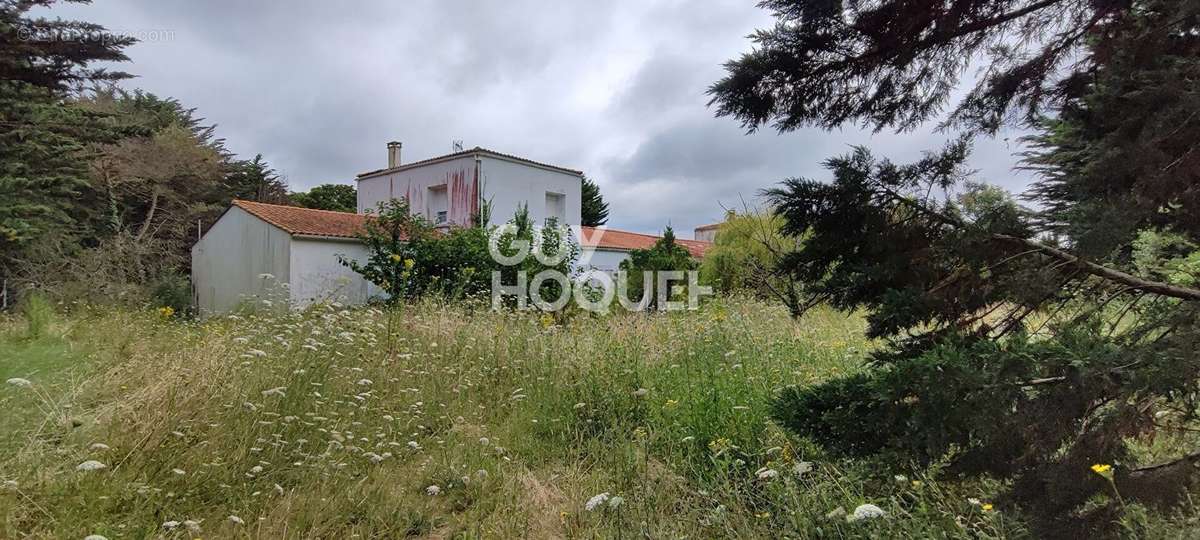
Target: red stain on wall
[{"x": 463, "y": 192}]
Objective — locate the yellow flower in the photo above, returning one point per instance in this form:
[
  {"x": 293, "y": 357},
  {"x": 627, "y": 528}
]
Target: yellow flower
[
  {"x": 720, "y": 444},
  {"x": 639, "y": 433},
  {"x": 987, "y": 507},
  {"x": 395, "y": 258},
  {"x": 547, "y": 320},
  {"x": 166, "y": 312},
  {"x": 762, "y": 515},
  {"x": 409, "y": 263},
  {"x": 1102, "y": 469},
  {"x": 916, "y": 483},
  {"x": 671, "y": 404}
]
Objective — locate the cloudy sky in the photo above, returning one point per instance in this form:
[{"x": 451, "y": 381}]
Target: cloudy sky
[{"x": 616, "y": 89}]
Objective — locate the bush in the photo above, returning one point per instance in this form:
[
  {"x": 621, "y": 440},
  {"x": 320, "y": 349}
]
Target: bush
[
  {"x": 172, "y": 290},
  {"x": 38, "y": 314}
]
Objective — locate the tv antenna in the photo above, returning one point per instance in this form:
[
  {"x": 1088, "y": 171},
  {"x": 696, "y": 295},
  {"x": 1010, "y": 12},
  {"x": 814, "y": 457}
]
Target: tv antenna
[{"x": 456, "y": 145}]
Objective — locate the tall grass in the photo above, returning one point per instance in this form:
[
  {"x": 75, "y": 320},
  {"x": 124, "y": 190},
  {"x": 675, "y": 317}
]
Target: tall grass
[
  {"x": 37, "y": 313},
  {"x": 477, "y": 424}
]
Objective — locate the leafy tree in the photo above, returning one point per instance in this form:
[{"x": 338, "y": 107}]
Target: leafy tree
[
  {"x": 335, "y": 197},
  {"x": 1022, "y": 344},
  {"x": 595, "y": 210},
  {"x": 390, "y": 236},
  {"x": 254, "y": 180},
  {"x": 745, "y": 256},
  {"x": 42, "y": 141},
  {"x": 664, "y": 255}
]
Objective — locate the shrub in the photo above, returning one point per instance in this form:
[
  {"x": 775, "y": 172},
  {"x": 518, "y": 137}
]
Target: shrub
[{"x": 38, "y": 314}]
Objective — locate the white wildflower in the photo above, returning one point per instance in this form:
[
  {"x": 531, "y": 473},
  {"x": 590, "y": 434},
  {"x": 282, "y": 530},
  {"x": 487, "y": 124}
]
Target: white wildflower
[
  {"x": 170, "y": 524},
  {"x": 901, "y": 479},
  {"x": 277, "y": 391},
  {"x": 836, "y": 513},
  {"x": 98, "y": 447},
  {"x": 802, "y": 467},
  {"x": 364, "y": 382},
  {"x": 866, "y": 511},
  {"x": 10, "y": 484},
  {"x": 615, "y": 501},
  {"x": 180, "y": 472},
  {"x": 414, "y": 445},
  {"x": 94, "y": 537},
  {"x": 485, "y": 441},
  {"x": 90, "y": 465},
  {"x": 192, "y": 525},
  {"x": 257, "y": 353},
  {"x": 236, "y": 520},
  {"x": 580, "y": 406},
  {"x": 19, "y": 382},
  {"x": 278, "y": 489},
  {"x": 595, "y": 501},
  {"x": 481, "y": 475},
  {"x": 433, "y": 491},
  {"x": 974, "y": 501},
  {"x": 257, "y": 469},
  {"x": 766, "y": 474},
  {"x": 640, "y": 392}
]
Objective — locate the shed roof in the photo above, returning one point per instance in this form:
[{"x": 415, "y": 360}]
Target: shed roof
[
  {"x": 306, "y": 221},
  {"x": 613, "y": 239}
]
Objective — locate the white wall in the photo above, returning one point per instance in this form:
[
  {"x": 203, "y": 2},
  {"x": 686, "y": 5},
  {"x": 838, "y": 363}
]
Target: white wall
[
  {"x": 318, "y": 276},
  {"x": 607, "y": 260},
  {"x": 508, "y": 184},
  {"x": 458, "y": 175},
  {"x": 229, "y": 260}
]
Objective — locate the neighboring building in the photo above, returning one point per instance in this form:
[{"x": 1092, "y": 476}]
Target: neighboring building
[
  {"x": 286, "y": 254},
  {"x": 604, "y": 249},
  {"x": 706, "y": 233},
  {"x": 282, "y": 254},
  {"x": 450, "y": 189}
]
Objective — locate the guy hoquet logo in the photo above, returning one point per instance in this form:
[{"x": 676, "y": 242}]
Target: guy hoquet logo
[{"x": 592, "y": 289}]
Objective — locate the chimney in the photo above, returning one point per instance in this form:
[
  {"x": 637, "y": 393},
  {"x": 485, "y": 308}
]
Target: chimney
[{"x": 394, "y": 154}]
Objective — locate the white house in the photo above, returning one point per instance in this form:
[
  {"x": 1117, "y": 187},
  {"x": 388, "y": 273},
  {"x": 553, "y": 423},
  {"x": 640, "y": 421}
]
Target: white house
[{"x": 285, "y": 254}]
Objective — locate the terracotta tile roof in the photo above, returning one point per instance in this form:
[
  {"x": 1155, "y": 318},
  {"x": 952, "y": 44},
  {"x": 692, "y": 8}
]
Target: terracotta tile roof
[
  {"x": 306, "y": 221},
  {"x": 604, "y": 238},
  {"x": 470, "y": 152}
]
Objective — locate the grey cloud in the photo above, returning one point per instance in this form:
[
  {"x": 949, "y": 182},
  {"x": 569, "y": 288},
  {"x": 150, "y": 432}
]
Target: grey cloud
[{"x": 616, "y": 89}]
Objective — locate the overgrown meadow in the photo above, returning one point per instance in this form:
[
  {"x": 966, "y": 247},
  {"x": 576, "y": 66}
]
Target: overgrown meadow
[{"x": 458, "y": 422}]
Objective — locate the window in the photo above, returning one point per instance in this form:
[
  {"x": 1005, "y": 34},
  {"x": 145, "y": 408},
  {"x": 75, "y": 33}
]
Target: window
[
  {"x": 437, "y": 207},
  {"x": 556, "y": 208}
]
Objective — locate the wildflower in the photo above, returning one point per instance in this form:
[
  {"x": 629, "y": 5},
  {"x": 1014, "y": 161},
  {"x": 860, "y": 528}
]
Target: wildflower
[
  {"x": 414, "y": 445},
  {"x": 19, "y": 382},
  {"x": 409, "y": 263},
  {"x": 802, "y": 467},
  {"x": 94, "y": 537},
  {"x": 762, "y": 515},
  {"x": 10, "y": 484},
  {"x": 98, "y": 447},
  {"x": 166, "y": 312},
  {"x": 836, "y": 513},
  {"x": 580, "y": 405},
  {"x": 595, "y": 501},
  {"x": 170, "y": 524},
  {"x": 396, "y": 258},
  {"x": 90, "y": 465},
  {"x": 639, "y": 433},
  {"x": 278, "y": 489},
  {"x": 640, "y": 392},
  {"x": 1102, "y": 469},
  {"x": 433, "y": 491},
  {"x": 364, "y": 382},
  {"x": 547, "y": 320},
  {"x": 257, "y": 469},
  {"x": 237, "y": 520},
  {"x": 192, "y": 525},
  {"x": 615, "y": 502},
  {"x": 671, "y": 404},
  {"x": 485, "y": 441},
  {"x": 257, "y": 353},
  {"x": 481, "y": 475},
  {"x": 766, "y": 474},
  {"x": 866, "y": 511},
  {"x": 741, "y": 408},
  {"x": 720, "y": 445},
  {"x": 900, "y": 478},
  {"x": 986, "y": 507},
  {"x": 180, "y": 472},
  {"x": 916, "y": 483},
  {"x": 277, "y": 391},
  {"x": 973, "y": 501}
]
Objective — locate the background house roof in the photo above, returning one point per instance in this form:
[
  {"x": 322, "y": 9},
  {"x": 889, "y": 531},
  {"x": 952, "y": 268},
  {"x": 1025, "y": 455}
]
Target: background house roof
[
  {"x": 612, "y": 239},
  {"x": 464, "y": 153},
  {"x": 306, "y": 221}
]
